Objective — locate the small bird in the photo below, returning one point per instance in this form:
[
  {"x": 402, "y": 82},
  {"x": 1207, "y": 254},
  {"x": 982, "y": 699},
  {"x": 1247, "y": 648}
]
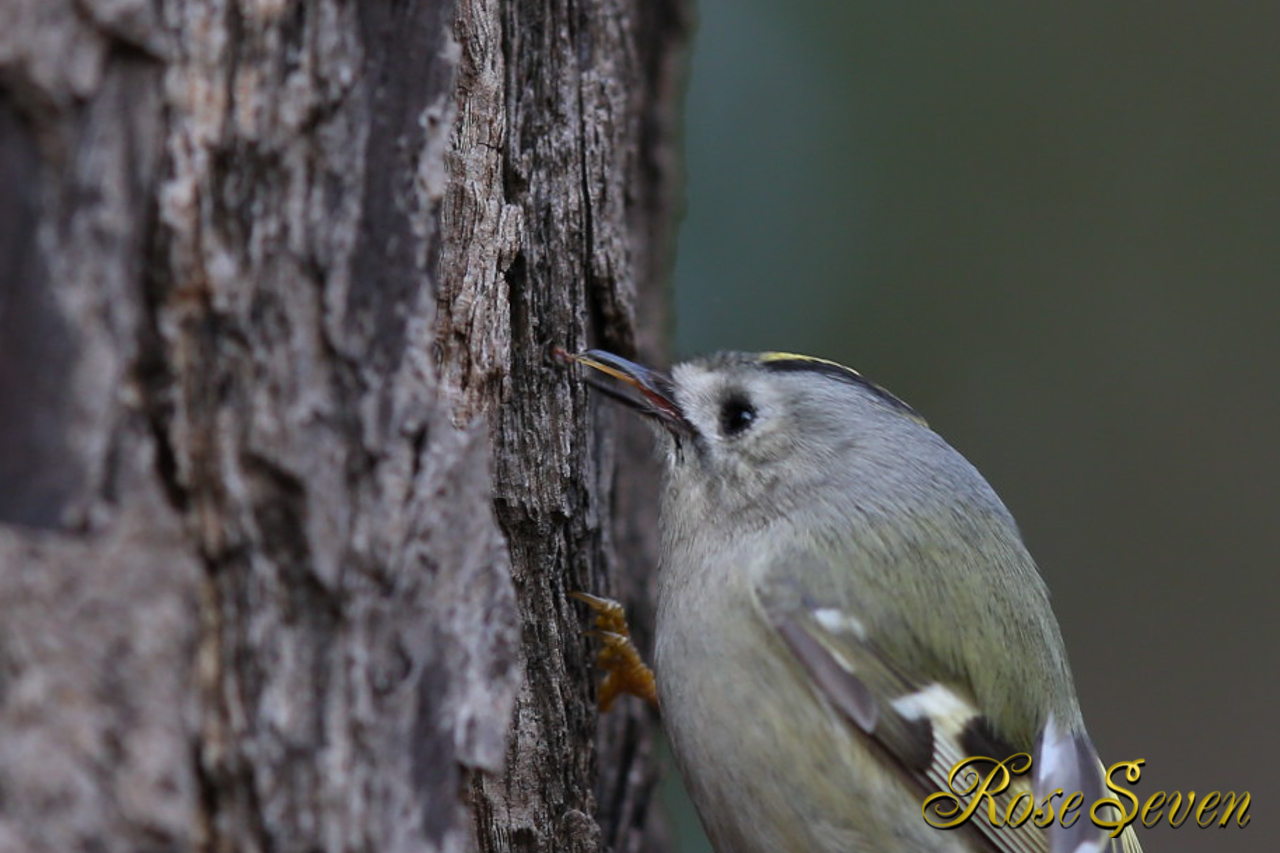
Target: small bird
[{"x": 846, "y": 612}]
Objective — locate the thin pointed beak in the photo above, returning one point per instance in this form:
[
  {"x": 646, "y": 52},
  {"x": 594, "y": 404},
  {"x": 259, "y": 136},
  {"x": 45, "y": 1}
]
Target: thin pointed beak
[{"x": 654, "y": 388}]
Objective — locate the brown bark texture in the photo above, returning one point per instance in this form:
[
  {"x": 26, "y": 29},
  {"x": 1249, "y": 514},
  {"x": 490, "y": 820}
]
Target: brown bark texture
[{"x": 290, "y": 492}]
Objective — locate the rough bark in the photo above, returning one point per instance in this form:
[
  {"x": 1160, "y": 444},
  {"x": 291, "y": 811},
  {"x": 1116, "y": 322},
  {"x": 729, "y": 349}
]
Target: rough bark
[{"x": 290, "y": 494}]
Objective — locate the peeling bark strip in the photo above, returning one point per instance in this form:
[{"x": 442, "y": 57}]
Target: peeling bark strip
[
  {"x": 289, "y": 496},
  {"x": 554, "y": 216}
]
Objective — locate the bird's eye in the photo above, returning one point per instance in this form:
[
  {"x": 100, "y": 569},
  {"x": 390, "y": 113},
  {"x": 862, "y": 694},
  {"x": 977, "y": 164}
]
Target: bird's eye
[{"x": 736, "y": 415}]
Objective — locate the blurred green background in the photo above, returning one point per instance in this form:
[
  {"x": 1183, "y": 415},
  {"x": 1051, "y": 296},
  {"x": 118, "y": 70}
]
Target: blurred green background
[{"x": 1054, "y": 229}]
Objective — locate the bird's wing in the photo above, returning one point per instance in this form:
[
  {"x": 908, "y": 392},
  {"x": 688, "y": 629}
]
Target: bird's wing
[{"x": 923, "y": 729}]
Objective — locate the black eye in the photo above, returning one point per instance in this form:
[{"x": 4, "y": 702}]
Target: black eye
[{"x": 736, "y": 415}]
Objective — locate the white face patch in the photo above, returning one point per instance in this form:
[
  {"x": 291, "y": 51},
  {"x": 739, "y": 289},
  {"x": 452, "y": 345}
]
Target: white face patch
[
  {"x": 704, "y": 394},
  {"x": 697, "y": 390}
]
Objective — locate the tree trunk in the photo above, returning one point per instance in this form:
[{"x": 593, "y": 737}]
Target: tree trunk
[{"x": 290, "y": 493}]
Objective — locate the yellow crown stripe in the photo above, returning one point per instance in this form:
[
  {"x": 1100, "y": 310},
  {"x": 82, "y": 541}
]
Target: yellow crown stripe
[
  {"x": 766, "y": 357},
  {"x": 790, "y": 359}
]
